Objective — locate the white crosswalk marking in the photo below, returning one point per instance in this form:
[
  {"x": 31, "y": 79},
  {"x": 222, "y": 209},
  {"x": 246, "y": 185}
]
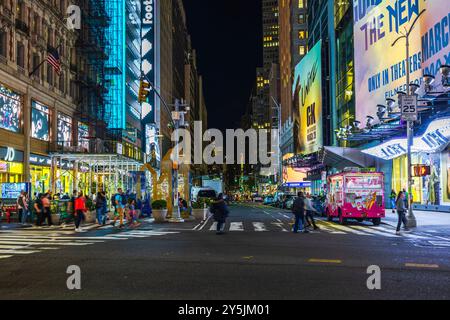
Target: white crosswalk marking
[
  {"x": 280, "y": 225},
  {"x": 236, "y": 226},
  {"x": 259, "y": 226},
  {"x": 213, "y": 227},
  {"x": 375, "y": 232},
  {"x": 24, "y": 242},
  {"x": 344, "y": 229}
]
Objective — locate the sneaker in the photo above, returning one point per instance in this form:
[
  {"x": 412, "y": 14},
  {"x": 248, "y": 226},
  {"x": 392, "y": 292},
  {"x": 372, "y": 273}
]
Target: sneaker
[
  {"x": 81, "y": 230},
  {"x": 398, "y": 233}
]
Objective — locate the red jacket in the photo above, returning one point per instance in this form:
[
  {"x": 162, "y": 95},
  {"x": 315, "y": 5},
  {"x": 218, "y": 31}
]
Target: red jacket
[{"x": 80, "y": 204}]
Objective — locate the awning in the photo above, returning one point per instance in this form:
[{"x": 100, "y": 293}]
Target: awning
[{"x": 341, "y": 158}]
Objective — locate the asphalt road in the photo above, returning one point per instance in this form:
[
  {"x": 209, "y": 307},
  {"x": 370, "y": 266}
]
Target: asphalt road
[{"x": 258, "y": 258}]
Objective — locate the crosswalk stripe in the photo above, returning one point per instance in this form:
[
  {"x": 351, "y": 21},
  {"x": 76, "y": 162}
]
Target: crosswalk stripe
[
  {"x": 373, "y": 231},
  {"x": 236, "y": 226},
  {"x": 18, "y": 251},
  {"x": 280, "y": 225},
  {"x": 48, "y": 243},
  {"x": 344, "y": 228},
  {"x": 259, "y": 227},
  {"x": 5, "y": 257},
  {"x": 440, "y": 243},
  {"x": 12, "y": 247},
  {"x": 323, "y": 227},
  {"x": 213, "y": 227}
]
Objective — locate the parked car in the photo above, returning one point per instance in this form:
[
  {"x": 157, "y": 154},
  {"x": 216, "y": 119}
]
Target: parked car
[
  {"x": 268, "y": 200},
  {"x": 257, "y": 198},
  {"x": 287, "y": 199}
]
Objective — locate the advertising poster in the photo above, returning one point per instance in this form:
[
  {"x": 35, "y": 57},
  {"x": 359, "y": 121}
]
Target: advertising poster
[
  {"x": 445, "y": 176},
  {"x": 40, "y": 121},
  {"x": 10, "y": 108},
  {"x": 308, "y": 100},
  {"x": 380, "y": 69}
]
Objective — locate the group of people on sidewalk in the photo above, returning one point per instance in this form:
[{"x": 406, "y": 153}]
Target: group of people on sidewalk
[{"x": 303, "y": 211}]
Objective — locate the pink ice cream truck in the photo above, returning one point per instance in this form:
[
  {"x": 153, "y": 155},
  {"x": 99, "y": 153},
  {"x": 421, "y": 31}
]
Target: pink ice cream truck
[{"x": 356, "y": 195}]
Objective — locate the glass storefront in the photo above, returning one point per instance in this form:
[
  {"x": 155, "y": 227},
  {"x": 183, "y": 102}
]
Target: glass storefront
[{"x": 425, "y": 190}]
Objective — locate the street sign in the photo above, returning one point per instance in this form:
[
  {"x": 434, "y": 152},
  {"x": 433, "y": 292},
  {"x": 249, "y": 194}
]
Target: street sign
[{"x": 408, "y": 105}]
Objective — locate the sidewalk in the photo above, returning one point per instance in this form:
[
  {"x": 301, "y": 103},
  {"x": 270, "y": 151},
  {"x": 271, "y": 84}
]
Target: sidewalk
[{"x": 424, "y": 218}]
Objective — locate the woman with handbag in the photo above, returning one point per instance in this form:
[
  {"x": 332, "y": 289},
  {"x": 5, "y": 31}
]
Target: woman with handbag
[{"x": 401, "y": 212}]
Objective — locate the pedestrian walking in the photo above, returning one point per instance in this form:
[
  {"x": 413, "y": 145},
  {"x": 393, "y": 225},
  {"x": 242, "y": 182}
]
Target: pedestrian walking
[
  {"x": 393, "y": 198},
  {"x": 401, "y": 212},
  {"x": 298, "y": 209},
  {"x": 120, "y": 202},
  {"x": 80, "y": 209},
  {"x": 100, "y": 208},
  {"x": 23, "y": 205},
  {"x": 310, "y": 210},
  {"x": 132, "y": 213},
  {"x": 47, "y": 214},
  {"x": 39, "y": 209},
  {"x": 220, "y": 213}
]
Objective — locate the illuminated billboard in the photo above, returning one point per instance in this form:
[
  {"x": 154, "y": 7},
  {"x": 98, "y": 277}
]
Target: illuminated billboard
[
  {"x": 10, "y": 110},
  {"x": 380, "y": 69},
  {"x": 308, "y": 100},
  {"x": 293, "y": 175},
  {"x": 148, "y": 56},
  {"x": 40, "y": 121}
]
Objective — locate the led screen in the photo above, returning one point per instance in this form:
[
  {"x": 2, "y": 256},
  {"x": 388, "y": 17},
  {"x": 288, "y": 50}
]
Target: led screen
[
  {"x": 9, "y": 110},
  {"x": 64, "y": 129},
  {"x": 40, "y": 121}
]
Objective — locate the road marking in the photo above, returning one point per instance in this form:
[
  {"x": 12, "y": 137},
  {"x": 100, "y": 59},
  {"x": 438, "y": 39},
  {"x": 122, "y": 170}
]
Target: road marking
[
  {"x": 9, "y": 247},
  {"x": 373, "y": 231},
  {"x": 280, "y": 225},
  {"x": 329, "y": 230},
  {"x": 5, "y": 257},
  {"x": 213, "y": 227},
  {"x": 236, "y": 226},
  {"x": 345, "y": 229},
  {"x": 440, "y": 243},
  {"x": 206, "y": 222},
  {"x": 421, "y": 266},
  {"x": 18, "y": 251},
  {"x": 48, "y": 243},
  {"x": 259, "y": 227},
  {"x": 325, "y": 261}
]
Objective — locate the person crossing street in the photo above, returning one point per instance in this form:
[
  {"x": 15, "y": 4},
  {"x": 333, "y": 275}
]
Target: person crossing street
[
  {"x": 120, "y": 202},
  {"x": 298, "y": 209},
  {"x": 80, "y": 209}
]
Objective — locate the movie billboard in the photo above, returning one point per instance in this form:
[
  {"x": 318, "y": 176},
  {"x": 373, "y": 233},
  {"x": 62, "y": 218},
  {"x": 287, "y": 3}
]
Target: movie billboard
[
  {"x": 380, "y": 67},
  {"x": 308, "y": 100}
]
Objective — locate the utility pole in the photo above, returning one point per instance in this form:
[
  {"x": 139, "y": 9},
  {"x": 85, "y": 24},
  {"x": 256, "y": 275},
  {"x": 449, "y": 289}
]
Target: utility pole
[
  {"x": 412, "y": 222},
  {"x": 176, "y": 216}
]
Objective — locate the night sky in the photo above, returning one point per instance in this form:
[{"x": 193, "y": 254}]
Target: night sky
[{"x": 227, "y": 35}]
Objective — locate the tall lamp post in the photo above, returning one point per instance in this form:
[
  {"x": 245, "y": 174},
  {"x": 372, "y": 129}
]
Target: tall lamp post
[
  {"x": 280, "y": 164},
  {"x": 412, "y": 222}
]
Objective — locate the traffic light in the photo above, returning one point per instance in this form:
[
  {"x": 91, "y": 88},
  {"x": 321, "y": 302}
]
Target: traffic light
[
  {"x": 143, "y": 91},
  {"x": 422, "y": 171}
]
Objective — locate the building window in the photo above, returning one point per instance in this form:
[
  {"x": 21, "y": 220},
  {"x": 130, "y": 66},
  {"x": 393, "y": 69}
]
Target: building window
[
  {"x": 83, "y": 135},
  {"x": 3, "y": 44},
  {"x": 50, "y": 74},
  {"x": 20, "y": 55},
  {"x": 301, "y": 50},
  {"x": 40, "y": 121},
  {"x": 301, "y": 4},
  {"x": 36, "y": 61},
  {"x": 302, "y": 34},
  {"x": 10, "y": 110},
  {"x": 301, "y": 18}
]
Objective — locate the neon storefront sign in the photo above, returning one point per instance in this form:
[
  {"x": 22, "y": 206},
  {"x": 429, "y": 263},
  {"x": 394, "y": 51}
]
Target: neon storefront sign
[{"x": 435, "y": 139}]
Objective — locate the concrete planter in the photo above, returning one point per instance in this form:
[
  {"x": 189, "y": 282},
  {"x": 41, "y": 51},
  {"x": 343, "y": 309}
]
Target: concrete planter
[
  {"x": 90, "y": 216},
  {"x": 200, "y": 214},
  {"x": 160, "y": 215}
]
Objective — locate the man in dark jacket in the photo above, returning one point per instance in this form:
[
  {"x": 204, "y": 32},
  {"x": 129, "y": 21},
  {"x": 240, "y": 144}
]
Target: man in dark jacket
[
  {"x": 298, "y": 209},
  {"x": 220, "y": 213}
]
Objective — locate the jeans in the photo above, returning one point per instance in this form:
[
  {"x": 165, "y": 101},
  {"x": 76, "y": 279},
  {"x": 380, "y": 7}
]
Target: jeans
[
  {"x": 401, "y": 219},
  {"x": 79, "y": 218},
  {"x": 393, "y": 204},
  {"x": 298, "y": 225},
  {"x": 101, "y": 216},
  {"x": 25, "y": 214},
  {"x": 220, "y": 225}
]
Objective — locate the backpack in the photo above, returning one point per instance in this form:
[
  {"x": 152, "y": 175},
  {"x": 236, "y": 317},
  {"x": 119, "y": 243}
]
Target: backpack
[{"x": 124, "y": 200}]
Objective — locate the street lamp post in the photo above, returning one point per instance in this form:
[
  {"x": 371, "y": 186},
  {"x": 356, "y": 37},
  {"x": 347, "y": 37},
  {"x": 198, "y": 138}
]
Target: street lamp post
[{"x": 412, "y": 222}]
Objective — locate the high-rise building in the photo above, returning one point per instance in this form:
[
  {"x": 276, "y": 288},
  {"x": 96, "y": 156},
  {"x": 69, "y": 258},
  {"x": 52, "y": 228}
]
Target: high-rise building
[{"x": 293, "y": 47}]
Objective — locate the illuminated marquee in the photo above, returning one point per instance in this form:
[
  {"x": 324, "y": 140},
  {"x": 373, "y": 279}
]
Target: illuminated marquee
[
  {"x": 435, "y": 139},
  {"x": 148, "y": 56}
]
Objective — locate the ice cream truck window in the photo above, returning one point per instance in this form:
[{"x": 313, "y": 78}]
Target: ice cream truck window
[{"x": 363, "y": 182}]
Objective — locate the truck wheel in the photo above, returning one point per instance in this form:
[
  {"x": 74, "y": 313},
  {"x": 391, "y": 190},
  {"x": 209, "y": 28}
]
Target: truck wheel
[
  {"x": 342, "y": 220},
  {"x": 329, "y": 217},
  {"x": 376, "y": 221}
]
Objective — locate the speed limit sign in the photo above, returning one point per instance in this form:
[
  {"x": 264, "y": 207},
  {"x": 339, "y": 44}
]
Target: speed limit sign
[{"x": 408, "y": 105}]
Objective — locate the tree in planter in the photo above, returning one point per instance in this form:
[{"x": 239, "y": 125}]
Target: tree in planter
[{"x": 159, "y": 205}]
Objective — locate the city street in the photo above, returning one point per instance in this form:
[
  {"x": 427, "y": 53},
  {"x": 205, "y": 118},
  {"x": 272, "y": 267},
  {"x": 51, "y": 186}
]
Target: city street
[{"x": 257, "y": 258}]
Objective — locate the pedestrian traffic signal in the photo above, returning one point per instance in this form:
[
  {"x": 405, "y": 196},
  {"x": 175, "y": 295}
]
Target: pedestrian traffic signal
[
  {"x": 422, "y": 171},
  {"x": 143, "y": 91}
]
